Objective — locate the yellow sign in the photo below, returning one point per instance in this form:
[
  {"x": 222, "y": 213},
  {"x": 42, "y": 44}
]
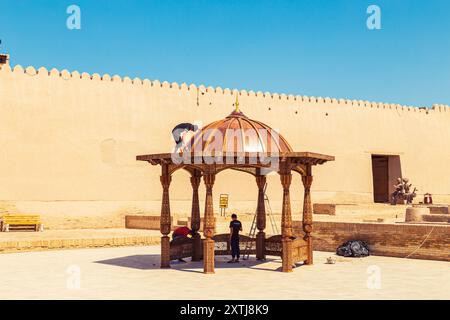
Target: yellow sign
[{"x": 223, "y": 201}]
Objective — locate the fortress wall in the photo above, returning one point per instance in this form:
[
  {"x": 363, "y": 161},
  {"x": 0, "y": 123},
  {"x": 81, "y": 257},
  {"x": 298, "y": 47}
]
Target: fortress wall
[{"x": 69, "y": 138}]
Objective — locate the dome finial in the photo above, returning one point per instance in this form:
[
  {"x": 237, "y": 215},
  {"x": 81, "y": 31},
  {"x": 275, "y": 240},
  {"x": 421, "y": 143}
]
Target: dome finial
[{"x": 236, "y": 104}]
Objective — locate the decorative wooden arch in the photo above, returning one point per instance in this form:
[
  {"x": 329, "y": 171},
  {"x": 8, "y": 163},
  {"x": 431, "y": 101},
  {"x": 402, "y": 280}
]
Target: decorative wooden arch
[{"x": 291, "y": 249}]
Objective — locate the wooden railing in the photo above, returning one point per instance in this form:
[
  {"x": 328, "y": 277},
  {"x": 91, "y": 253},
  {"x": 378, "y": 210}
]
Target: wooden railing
[
  {"x": 222, "y": 244},
  {"x": 299, "y": 250},
  {"x": 181, "y": 248},
  {"x": 274, "y": 246}
]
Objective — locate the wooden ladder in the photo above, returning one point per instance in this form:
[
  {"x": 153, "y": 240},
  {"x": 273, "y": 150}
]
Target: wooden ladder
[{"x": 252, "y": 234}]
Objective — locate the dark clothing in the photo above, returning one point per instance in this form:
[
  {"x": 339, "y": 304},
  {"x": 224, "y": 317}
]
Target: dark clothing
[
  {"x": 176, "y": 132},
  {"x": 235, "y": 226},
  {"x": 177, "y": 236},
  {"x": 235, "y": 251}
]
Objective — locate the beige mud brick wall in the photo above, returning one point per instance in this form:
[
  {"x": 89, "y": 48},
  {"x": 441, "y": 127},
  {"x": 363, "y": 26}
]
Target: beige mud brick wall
[
  {"x": 430, "y": 242},
  {"x": 68, "y": 143}
]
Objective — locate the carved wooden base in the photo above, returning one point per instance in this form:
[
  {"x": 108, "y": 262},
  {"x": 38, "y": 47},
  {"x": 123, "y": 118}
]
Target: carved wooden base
[
  {"x": 286, "y": 255},
  {"x": 197, "y": 248},
  {"x": 260, "y": 246},
  {"x": 208, "y": 256},
  {"x": 309, "y": 261},
  {"x": 165, "y": 252}
]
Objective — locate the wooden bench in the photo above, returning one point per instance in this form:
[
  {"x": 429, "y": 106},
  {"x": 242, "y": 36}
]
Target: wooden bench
[
  {"x": 181, "y": 248},
  {"x": 19, "y": 221}
]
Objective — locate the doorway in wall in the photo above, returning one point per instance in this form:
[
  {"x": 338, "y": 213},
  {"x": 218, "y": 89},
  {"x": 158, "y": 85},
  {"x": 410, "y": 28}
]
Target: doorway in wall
[{"x": 385, "y": 171}]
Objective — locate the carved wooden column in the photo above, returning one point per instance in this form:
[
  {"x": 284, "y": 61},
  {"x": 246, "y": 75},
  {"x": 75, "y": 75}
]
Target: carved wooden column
[
  {"x": 260, "y": 219},
  {"x": 307, "y": 212},
  {"x": 209, "y": 224},
  {"x": 286, "y": 219},
  {"x": 195, "y": 217},
  {"x": 165, "y": 217}
]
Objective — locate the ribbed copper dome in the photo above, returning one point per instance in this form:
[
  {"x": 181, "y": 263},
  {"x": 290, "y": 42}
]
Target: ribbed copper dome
[{"x": 237, "y": 133}]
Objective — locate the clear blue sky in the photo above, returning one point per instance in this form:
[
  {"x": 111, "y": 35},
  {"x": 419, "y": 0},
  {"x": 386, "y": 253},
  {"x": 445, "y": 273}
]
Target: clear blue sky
[{"x": 317, "y": 48}]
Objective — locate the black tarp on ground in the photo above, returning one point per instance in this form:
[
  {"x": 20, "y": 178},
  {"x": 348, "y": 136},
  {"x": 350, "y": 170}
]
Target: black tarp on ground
[{"x": 353, "y": 248}]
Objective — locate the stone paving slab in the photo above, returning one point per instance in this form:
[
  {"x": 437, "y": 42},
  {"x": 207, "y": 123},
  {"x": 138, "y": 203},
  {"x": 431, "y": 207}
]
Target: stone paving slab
[{"x": 134, "y": 273}]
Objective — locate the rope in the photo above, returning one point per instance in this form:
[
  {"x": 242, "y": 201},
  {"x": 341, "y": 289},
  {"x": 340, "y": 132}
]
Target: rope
[{"x": 421, "y": 243}]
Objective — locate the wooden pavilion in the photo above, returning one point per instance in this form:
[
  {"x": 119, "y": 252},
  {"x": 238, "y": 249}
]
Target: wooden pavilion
[{"x": 246, "y": 145}]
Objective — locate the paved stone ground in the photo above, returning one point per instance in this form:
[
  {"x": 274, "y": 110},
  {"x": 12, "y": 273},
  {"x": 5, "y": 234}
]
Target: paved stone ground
[{"x": 133, "y": 273}]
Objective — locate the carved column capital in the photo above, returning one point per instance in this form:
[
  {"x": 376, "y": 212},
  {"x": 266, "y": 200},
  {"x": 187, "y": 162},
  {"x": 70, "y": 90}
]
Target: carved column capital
[
  {"x": 286, "y": 180},
  {"x": 195, "y": 182},
  {"x": 307, "y": 181},
  {"x": 261, "y": 181},
  {"x": 209, "y": 179},
  {"x": 165, "y": 179}
]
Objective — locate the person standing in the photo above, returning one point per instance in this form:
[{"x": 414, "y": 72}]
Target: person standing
[{"x": 235, "y": 227}]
